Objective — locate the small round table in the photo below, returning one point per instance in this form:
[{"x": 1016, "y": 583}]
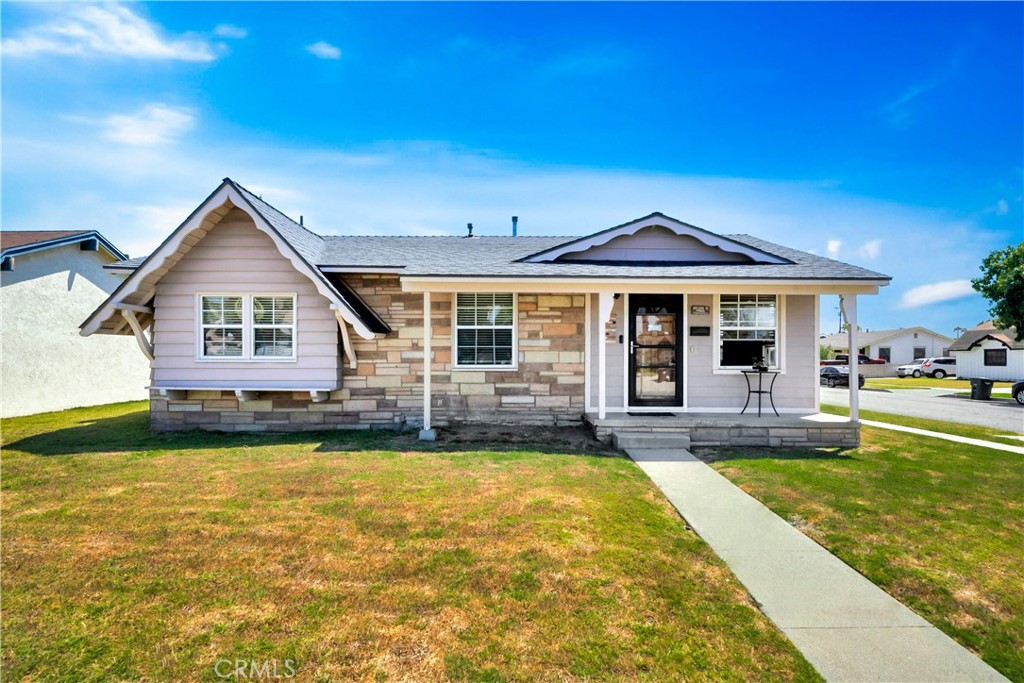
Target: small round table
[{"x": 760, "y": 391}]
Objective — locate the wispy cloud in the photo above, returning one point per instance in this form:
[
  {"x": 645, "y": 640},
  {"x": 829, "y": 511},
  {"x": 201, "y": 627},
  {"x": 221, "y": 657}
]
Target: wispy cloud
[
  {"x": 230, "y": 31},
  {"x": 112, "y": 30},
  {"x": 154, "y": 124},
  {"x": 936, "y": 292},
  {"x": 899, "y": 110},
  {"x": 833, "y": 247},
  {"x": 324, "y": 50},
  {"x": 1002, "y": 208},
  {"x": 870, "y": 250}
]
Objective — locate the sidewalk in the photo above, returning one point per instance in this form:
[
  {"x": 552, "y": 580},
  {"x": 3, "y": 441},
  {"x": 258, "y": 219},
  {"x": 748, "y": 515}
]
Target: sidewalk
[
  {"x": 948, "y": 437},
  {"x": 846, "y": 627}
]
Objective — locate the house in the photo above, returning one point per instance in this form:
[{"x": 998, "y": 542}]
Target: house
[
  {"x": 899, "y": 346},
  {"x": 254, "y": 323},
  {"x": 990, "y": 353},
  {"x": 49, "y": 280}
]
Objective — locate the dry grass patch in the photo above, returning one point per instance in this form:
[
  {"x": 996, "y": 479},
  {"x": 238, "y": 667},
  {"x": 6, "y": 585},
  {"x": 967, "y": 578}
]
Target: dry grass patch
[
  {"x": 135, "y": 556},
  {"x": 935, "y": 524}
]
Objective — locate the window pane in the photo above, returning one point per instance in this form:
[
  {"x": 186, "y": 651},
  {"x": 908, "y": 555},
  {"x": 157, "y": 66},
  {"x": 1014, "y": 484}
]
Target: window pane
[
  {"x": 222, "y": 341},
  {"x": 222, "y": 310},
  {"x": 273, "y": 341},
  {"x": 273, "y": 310}
]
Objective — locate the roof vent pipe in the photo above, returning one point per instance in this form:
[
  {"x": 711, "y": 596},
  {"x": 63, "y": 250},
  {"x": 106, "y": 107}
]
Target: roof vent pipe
[
  {"x": 301, "y": 222},
  {"x": 469, "y": 228},
  {"x": 515, "y": 225}
]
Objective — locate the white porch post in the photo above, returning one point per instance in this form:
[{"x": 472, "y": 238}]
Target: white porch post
[
  {"x": 427, "y": 433},
  {"x": 605, "y": 302},
  {"x": 849, "y": 304}
]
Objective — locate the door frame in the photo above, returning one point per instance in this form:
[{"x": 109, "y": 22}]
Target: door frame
[{"x": 677, "y": 304}]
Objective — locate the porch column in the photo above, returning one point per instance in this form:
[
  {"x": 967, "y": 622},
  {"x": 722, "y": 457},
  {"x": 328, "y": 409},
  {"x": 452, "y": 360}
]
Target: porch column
[
  {"x": 849, "y": 305},
  {"x": 427, "y": 433},
  {"x": 605, "y": 301}
]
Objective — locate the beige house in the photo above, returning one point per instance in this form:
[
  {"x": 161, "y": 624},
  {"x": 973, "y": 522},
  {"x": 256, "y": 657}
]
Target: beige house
[
  {"x": 49, "y": 280},
  {"x": 251, "y": 322}
]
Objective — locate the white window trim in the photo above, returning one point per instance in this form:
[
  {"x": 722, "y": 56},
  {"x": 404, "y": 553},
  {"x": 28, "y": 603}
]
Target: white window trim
[
  {"x": 780, "y": 337},
  {"x": 514, "y": 366},
  {"x": 248, "y": 330}
]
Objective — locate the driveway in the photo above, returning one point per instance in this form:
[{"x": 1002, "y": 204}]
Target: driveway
[{"x": 997, "y": 414}]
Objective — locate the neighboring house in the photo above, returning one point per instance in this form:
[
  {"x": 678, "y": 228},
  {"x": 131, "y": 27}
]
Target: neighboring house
[
  {"x": 990, "y": 353},
  {"x": 898, "y": 346},
  {"x": 257, "y": 324},
  {"x": 48, "y": 282}
]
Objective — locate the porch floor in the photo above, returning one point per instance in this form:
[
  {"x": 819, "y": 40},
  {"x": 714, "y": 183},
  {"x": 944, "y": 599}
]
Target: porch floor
[{"x": 731, "y": 429}]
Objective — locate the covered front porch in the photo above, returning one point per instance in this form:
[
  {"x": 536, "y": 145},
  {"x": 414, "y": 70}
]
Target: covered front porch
[{"x": 816, "y": 430}]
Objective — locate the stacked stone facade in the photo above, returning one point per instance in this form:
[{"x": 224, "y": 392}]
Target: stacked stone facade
[{"x": 385, "y": 390}]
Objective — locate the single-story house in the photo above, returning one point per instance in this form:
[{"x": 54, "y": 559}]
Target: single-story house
[
  {"x": 49, "y": 280},
  {"x": 899, "y": 346},
  {"x": 990, "y": 353},
  {"x": 256, "y": 323}
]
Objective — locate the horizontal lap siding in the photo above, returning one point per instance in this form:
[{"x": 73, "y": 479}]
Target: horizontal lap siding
[
  {"x": 235, "y": 257},
  {"x": 794, "y": 389}
]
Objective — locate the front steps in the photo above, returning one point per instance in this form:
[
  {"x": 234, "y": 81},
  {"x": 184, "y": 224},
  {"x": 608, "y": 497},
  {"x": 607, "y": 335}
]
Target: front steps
[{"x": 624, "y": 439}]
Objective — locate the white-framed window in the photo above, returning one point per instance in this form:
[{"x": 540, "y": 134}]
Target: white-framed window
[
  {"x": 485, "y": 331},
  {"x": 748, "y": 331},
  {"x": 246, "y": 327}
]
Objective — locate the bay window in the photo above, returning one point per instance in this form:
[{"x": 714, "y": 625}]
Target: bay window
[
  {"x": 484, "y": 330},
  {"x": 246, "y": 327}
]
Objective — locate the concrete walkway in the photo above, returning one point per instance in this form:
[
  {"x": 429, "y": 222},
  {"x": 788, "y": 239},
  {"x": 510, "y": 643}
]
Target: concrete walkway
[
  {"x": 948, "y": 437},
  {"x": 846, "y": 627}
]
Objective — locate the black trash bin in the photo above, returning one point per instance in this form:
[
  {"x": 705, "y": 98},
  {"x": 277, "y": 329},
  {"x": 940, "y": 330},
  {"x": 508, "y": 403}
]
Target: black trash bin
[{"x": 981, "y": 389}]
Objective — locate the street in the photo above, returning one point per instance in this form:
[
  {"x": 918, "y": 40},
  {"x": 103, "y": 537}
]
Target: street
[{"x": 998, "y": 414}]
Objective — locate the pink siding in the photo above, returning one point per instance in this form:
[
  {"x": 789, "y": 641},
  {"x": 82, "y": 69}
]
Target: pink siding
[
  {"x": 794, "y": 390},
  {"x": 235, "y": 257}
]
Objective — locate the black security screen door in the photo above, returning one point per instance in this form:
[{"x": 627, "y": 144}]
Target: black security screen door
[{"x": 655, "y": 367}]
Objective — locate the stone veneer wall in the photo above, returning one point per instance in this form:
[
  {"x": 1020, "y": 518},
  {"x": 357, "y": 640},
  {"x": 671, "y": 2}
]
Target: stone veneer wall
[
  {"x": 386, "y": 388},
  {"x": 791, "y": 434}
]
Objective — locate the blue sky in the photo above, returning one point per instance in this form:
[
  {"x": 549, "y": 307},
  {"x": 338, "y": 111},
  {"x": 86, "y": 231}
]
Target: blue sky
[{"x": 886, "y": 135}]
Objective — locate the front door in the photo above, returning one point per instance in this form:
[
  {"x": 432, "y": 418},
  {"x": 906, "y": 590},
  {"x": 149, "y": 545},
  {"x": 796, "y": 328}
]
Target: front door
[{"x": 655, "y": 353}]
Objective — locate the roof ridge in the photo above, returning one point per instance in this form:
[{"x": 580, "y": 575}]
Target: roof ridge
[{"x": 272, "y": 207}]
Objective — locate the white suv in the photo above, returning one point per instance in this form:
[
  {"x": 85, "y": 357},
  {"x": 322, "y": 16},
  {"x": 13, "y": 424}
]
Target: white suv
[
  {"x": 939, "y": 367},
  {"x": 914, "y": 369}
]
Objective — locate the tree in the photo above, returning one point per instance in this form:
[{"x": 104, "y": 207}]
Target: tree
[
  {"x": 825, "y": 351},
  {"x": 1002, "y": 283}
]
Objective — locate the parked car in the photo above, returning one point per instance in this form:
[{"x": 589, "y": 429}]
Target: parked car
[
  {"x": 1017, "y": 391},
  {"x": 912, "y": 369},
  {"x": 835, "y": 376},
  {"x": 939, "y": 367},
  {"x": 862, "y": 358}
]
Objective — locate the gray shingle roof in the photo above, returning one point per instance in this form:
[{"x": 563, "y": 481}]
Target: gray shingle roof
[
  {"x": 968, "y": 339},
  {"x": 499, "y": 256}
]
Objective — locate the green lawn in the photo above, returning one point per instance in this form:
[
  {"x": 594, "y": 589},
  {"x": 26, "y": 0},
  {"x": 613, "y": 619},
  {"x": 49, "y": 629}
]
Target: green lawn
[
  {"x": 950, "y": 383},
  {"x": 940, "y": 526},
  {"x": 955, "y": 428},
  {"x": 359, "y": 556}
]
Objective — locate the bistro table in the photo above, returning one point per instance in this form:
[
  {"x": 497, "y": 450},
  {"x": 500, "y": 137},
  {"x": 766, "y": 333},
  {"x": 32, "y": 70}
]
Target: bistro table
[{"x": 760, "y": 390}]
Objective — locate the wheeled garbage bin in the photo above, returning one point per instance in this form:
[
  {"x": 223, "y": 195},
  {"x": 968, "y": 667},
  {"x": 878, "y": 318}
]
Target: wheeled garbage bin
[{"x": 981, "y": 389}]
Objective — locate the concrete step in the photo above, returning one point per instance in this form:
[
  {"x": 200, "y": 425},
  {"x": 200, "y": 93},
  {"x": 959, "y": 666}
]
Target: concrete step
[{"x": 624, "y": 439}]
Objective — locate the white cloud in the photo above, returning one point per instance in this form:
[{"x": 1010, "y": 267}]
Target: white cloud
[
  {"x": 154, "y": 124},
  {"x": 833, "y": 248},
  {"x": 1002, "y": 208},
  {"x": 230, "y": 31},
  {"x": 937, "y": 292},
  {"x": 870, "y": 250},
  {"x": 324, "y": 50},
  {"x": 112, "y": 30}
]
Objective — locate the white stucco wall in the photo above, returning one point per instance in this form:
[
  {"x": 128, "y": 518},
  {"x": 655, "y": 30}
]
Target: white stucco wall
[{"x": 44, "y": 363}]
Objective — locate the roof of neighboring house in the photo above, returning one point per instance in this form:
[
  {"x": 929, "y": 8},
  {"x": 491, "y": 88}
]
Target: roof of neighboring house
[
  {"x": 17, "y": 242},
  {"x": 486, "y": 256},
  {"x": 971, "y": 338},
  {"x": 878, "y": 336}
]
